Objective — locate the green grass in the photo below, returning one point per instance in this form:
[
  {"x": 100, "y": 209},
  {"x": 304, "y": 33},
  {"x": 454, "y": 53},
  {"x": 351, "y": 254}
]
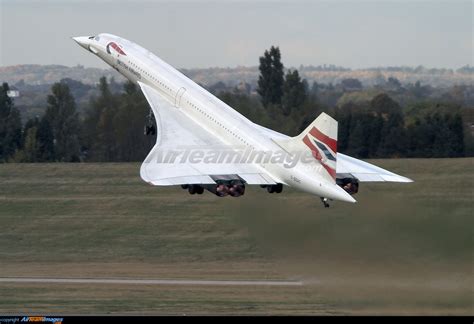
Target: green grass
[{"x": 402, "y": 249}]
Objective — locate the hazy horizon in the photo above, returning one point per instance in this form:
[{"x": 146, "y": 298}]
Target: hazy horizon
[
  {"x": 102, "y": 66},
  {"x": 198, "y": 34}
]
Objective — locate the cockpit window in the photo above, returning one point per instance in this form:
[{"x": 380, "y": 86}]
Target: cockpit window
[{"x": 91, "y": 37}]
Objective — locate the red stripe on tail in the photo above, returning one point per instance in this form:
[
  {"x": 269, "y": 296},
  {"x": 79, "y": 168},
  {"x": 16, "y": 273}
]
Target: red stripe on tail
[
  {"x": 313, "y": 148},
  {"x": 330, "y": 170},
  {"x": 317, "y": 155},
  {"x": 330, "y": 142}
]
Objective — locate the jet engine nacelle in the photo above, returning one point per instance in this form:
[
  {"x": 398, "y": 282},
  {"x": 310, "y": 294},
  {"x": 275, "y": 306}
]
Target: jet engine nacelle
[
  {"x": 350, "y": 185},
  {"x": 236, "y": 190},
  {"x": 227, "y": 188}
]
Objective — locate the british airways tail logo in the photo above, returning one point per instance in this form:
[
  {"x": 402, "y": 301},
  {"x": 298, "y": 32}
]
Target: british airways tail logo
[
  {"x": 323, "y": 148},
  {"x": 116, "y": 47}
]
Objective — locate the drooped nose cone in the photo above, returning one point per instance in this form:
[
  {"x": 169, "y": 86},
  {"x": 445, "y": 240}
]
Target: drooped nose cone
[{"x": 84, "y": 41}]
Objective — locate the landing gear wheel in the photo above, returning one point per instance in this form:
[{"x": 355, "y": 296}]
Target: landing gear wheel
[
  {"x": 325, "y": 202},
  {"x": 275, "y": 188},
  {"x": 279, "y": 188},
  {"x": 192, "y": 189}
]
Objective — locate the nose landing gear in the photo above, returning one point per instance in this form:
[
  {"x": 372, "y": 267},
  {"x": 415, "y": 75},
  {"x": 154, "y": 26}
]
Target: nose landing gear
[{"x": 325, "y": 202}]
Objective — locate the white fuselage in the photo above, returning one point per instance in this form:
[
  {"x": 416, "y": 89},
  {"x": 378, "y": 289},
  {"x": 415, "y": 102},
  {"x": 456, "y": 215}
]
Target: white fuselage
[{"x": 209, "y": 112}]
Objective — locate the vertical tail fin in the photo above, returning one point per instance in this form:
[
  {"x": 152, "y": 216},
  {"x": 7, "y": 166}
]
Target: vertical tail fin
[{"x": 321, "y": 138}]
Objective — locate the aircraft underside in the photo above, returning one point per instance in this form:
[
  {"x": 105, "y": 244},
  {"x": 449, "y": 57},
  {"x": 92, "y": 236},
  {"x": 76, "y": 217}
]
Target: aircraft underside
[
  {"x": 236, "y": 187},
  {"x": 223, "y": 188}
]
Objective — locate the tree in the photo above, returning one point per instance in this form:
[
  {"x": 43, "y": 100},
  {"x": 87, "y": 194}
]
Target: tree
[
  {"x": 62, "y": 116},
  {"x": 217, "y": 87},
  {"x": 106, "y": 134},
  {"x": 294, "y": 92},
  {"x": 357, "y": 145},
  {"x": 113, "y": 126},
  {"x": 31, "y": 148},
  {"x": 128, "y": 124},
  {"x": 29, "y": 151},
  {"x": 391, "y": 136},
  {"x": 351, "y": 84},
  {"x": 382, "y": 104},
  {"x": 99, "y": 141},
  {"x": 419, "y": 91},
  {"x": 45, "y": 139},
  {"x": 343, "y": 116},
  {"x": 10, "y": 125},
  {"x": 394, "y": 83},
  {"x": 457, "y": 144},
  {"x": 270, "y": 81},
  {"x": 33, "y": 122},
  {"x": 437, "y": 129}
]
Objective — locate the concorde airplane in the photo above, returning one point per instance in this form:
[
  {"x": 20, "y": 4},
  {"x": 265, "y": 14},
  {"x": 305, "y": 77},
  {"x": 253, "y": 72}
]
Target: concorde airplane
[{"x": 202, "y": 143}]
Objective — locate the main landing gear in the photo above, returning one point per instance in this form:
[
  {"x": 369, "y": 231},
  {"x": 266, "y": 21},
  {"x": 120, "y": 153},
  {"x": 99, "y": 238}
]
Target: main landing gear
[
  {"x": 278, "y": 188},
  {"x": 150, "y": 128},
  {"x": 231, "y": 188},
  {"x": 193, "y": 189}
]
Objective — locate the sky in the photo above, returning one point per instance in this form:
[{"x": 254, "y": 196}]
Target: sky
[{"x": 200, "y": 34}]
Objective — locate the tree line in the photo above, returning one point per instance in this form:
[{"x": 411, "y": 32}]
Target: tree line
[
  {"x": 380, "y": 128},
  {"x": 111, "y": 128}
]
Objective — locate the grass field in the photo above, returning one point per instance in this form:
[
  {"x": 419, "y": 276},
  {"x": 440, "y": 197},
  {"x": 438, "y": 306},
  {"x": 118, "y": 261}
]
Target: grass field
[{"x": 402, "y": 249}]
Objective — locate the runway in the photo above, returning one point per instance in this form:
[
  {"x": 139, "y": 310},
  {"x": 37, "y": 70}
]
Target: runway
[{"x": 127, "y": 281}]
